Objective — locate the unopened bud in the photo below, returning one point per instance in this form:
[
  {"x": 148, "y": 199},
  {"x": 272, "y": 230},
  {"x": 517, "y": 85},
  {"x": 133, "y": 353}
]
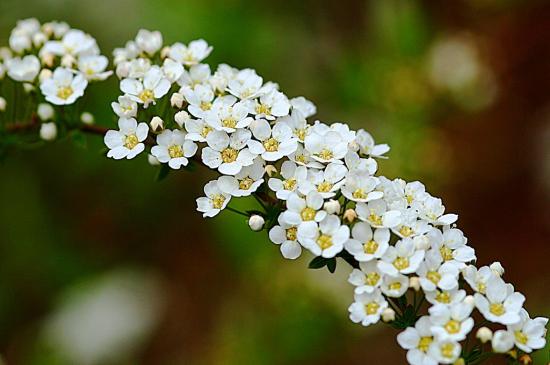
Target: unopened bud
[
  {"x": 28, "y": 87},
  {"x": 39, "y": 39},
  {"x": 48, "y": 131},
  {"x": 332, "y": 206},
  {"x": 45, "y": 112},
  {"x": 270, "y": 170},
  {"x": 44, "y": 75},
  {"x": 502, "y": 342},
  {"x": 484, "y": 334},
  {"x": 68, "y": 60},
  {"x": 525, "y": 359},
  {"x": 87, "y": 118},
  {"x": 153, "y": 161},
  {"x": 350, "y": 215},
  {"x": 123, "y": 69},
  {"x": 256, "y": 222},
  {"x": 157, "y": 124},
  {"x": 181, "y": 117},
  {"x": 176, "y": 100},
  {"x": 414, "y": 283},
  {"x": 421, "y": 242},
  {"x": 497, "y": 268},
  {"x": 47, "y": 59},
  {"x": 164, "y": 52},
  {"x": 3, "y": 104},
  {"x": 388, "y": 315}
]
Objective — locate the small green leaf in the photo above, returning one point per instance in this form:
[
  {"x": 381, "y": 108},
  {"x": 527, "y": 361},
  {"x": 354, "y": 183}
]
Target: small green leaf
[
  {"x": 318, "y": 263},
  {"x": 331, "y": 265}
]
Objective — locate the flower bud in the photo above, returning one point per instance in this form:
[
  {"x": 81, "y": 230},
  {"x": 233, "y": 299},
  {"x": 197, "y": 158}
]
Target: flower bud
[
  {"x": 153, "y": 161},
  {"x": 270, "y": 170},
  {"x": 123, "y": 69},
  {"x": 3, "y": 104},
  {"x": 48, "y": 131},
  {"x": 350, "y": 215},
  {"x": 332, "y": 206},
  {"x": 181, "y": 117},
  {"x": 503, "y": 341},
  {"x": 68, "y": 61},
  {"x": 5, "y": 53},
  {"x": 388, "y": 315},
  {"x": 469, "y": 300},
  {"x": 45, "y": 111},
  {"x": 414, "y": 283},
  {"x": 87, "y": 118},
  {"x": 497, "y": 268},
  {"x": 484, "y": 334},
  {"x": 157, "y": 124},
  {"x": 39, "y": 39},
  {"x": 421, "y": 242},
  {"x": 176, "y": 100},
  {"x": 28, "y": 87},
  {"x": 525, "y": 359},
  {"x": 44, "y": 75},
  {"x": 164, "y": 52},
  {"x": 256, "y": 222},
  {"x": 47, "y": 59}
]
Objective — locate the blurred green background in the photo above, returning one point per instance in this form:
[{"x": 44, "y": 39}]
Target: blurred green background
[{"x": 101, "y": 265}]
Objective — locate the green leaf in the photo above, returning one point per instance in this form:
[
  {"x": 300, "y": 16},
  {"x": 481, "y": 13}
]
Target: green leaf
[
  {"x": 163, "y": 172},
  {"x": 320, "y": 262},
  {"x": 331, "y": 265}
]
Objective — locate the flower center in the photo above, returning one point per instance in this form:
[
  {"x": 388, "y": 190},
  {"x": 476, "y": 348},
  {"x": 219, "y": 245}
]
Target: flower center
[
  {"x": 206, "y": 105},
  {"x": 521, "y": 337},
  {"x": 370, "y": 247},
  {"x": 406, "y": 231},
  {"x": 301, "y": 158},
  {"x": 289, "y": 184},
  {"x": 359, "y": 194},
  {"x": 217, "y": 201},
  {"x": 497, "y": 309},
  {"x": 131, "y": 141},
  {"x": 325, "y": 154},
  {"x": 245, "y": 183},
  {"x": 229, "y": 123},
  {"x": 481, "y": 287},
  {"x": 409, "y": 198},
  {"x": 308, "y": 214},
  {"x": 175, "y": 151},
  {"x": 291, "y": 233},
  {"x": 395, "y": 285},
  {"x": 433, "y": 276},
  {"x": 324, "y": 241},
  {"x": 271, "y": 145},
  {"x": 263, "y": 109},
  {"x": 446, "y": 253},
  {"x": 401, "y": 263},
  {"x": 374, "y": 218},
  {"x": 146, "y": 96},
  {"x": 301, "y": 134},
  {"x": 205, "y": 130},
  {"x": 447, "y": 350},
  {"x": 452, "y": 327},
  {"x": 64, "y": 92},
  {"x": 372, "y": 278},
  {"x": 324, "y": 187},
  {"x": 229, "y": 155},
  {"x": 443, "y": 297},
  {"x": 372, "y": 308},
  {"x": 424, "y": 343}
]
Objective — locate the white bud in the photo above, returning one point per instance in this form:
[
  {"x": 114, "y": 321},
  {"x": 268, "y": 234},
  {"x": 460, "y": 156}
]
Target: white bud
[
  {"x": 48, "y": 131},
  {"x": 45, "y": 111},
  {"x": 68, "y": 61},
  {"x": 484, "y": 334},
  {"x": 270, "y": 170},
  {"x": 44, "y": 75},
  {"x": 388, "y": 315},
  {"x": 176, "y": 100},
  {"x": 181, "y": 117},
  {"x": 164, "y": 52},
  {"x": 350, "y": 215},
  {"x": 256, "y": 222},
  {"x": 87, "y": 118},
  {"x": 469, "y": 300},
  {"x": 157, "y": 124},
  {"x": 3, "y": 104},
  {"x": 28, "y": 87},
  {"x": 332, "y": 206},
  {"x": 5, "y": 53},
  {"x": 421, "y": 242},
  {"x": 39, "y": 39},
  {"x": 503, "y": 341},
  {"x": 497, "y": 268},
  {"x": 123, "y": 69},
  {"x": 414, "y": 283},
  {"x": 153, "y": 161},
  {"x": 47, "y": 59}
]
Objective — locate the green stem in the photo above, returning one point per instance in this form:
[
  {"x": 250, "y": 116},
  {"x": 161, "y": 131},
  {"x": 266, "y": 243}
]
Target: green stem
[{"x": 236, "y": 211}]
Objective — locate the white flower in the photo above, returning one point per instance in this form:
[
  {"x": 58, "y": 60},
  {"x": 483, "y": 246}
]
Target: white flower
[
  {"x": 221, "y": 78},
  {"x": 327, "y": 182},
  {"x": 303, "y": 157},
  {"x": 48, "y": 131},
  {"x": 272, "y": 143},
  {"x": 45, "y": 111},
  {"x": 297, "y": 123},
  {"x": 496, "y": 268},
  {"x": 332, "y": 206},
  {"x": 328, "y": 239},
  {"x": 75, "y": 43},
  {"x": 149, "y": 42},
  {"x": 501, "y": 304},
  {"x": 529, "y": 334},
  {"x": 451, "y": 322},
  {"x": 173, "y": 148},
  {"x": 445, "y": 352},
  {"x": 138, "y": 68},
  {"x": 432, "y": 210},
  {"x": 367, "y": 308},
  {"x": 434, "y": 275},
  {"x": 286, "y": 235},
  {"x": 451, "y": 246},
  {"x": 477, "y": 278},
  {"x": 228, "y": 153},
  {"x": 402, "y": 258},
  {"x": 64, "y": 87},
  {"x": 154, "y": 86},
  {"x": 93, "y": 67},
  {"x": 197, "y": 74},
  {"x": 303, "y": 210},
  {"x": 292, "y": 176},
  {"x": 445, "y": 296},
  {"x": 394, "y": 286},
  {"x": 359, "y": 187},
  {"x": 23, "y": 69},
  {"x": 247, "y": 181},
  {"x": 418, "y": 340},
  {"x": 126, "y": 107},
  {"x": 192, "y": 54},
  {"x": 367, "y": 279},
  {"x": 410, "y": 225},
  {"x": 127, "y": 142},
  {"x": 246, "y": 84},
  {"x": 228, "y": 115},
  {"x": 215, "y": 200},
  {"x": 197, "y": 129},
  {"x": 366, "y": 245},
  {"x": 200, "y": 99},
  {"x": 503, "y": 341},
  {"x": 356, "y": 164},
  {"x": 256, "y": 222},
  {"x": 271, "y": 105},
  {"x": 366, "y": 144},
  {"x": 377, "y": 215},
  {"x": 304, "y": 106},
  {"x": 326, "y": 147}
]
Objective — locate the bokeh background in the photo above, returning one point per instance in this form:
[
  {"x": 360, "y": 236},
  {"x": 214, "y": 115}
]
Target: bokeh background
[{"x": 101, "y": 265}]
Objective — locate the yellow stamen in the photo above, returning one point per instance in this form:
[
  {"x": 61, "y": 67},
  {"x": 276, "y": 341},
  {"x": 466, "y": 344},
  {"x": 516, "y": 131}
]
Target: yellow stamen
[
  {"x": 217, "y": 201},
  {"x": 229, "y": 155},
  {"x": 452, "y": 326},
  {"x": 372, "y": 278},
  {"x": 325, "y": 154},
  {"x": 324, "y": 241},
  {"x": 308, "y": 214},
  {"x": 446, "y": 253},
  {"x": 246, "y": 183},
  {"x": 146, "y": 96},
  {"x": 291, "y": 233},
  {"x": 401, "y": 263},
  {"x": 372, "y": 308},
  {"x": 324, "y": 187},
  {"x": 175, "y": 151},
  {"x": 424, "y": 343},
  {"x": 64, "y": 92},
  {"x": 271, "y": 145},
  {"x": 497, "y": 309},
  {"x": 289, "y": 184},
  {"x": 131, "y": 141},
  {"x": 433, "y": 276},
  {"x": 370, "y": 247}
]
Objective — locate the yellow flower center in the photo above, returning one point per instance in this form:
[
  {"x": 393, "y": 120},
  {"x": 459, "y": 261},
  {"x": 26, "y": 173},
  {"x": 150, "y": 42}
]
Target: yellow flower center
[
  {"x": 447, "y": 350},
  {"x": 521, "y": 337},
  {"x": 433, "y": 276},
  {"x": 324, "y": 241},
  {"x": 308, "y": 214},
  {"x": 205, "y": 130},
  {"x": 245, "y": 183},
  {"x": 217, "y": 201},
  {"x": 263, "y": 109},
  {"x": 301, "y": 158},
  {"x": 229, "y": 155},
  {"x": 131, "y": 141},
  {"x": 370, "y": 247},
  {"x": 481, "y": 287},
  {"x": 291, "y": 233},
  {"x": 446, "y": 253},
  {"x": 372, "y": 308},
  {"x": 395, "y": 285},
  {"x": 424, "y": 343},
  {"x": 301, "y": 133},
  {"x": 229, "y": 123},
  {"x": 325, "y": 154},
  {"x": 443, "y": 297},
  {"x": 289, "y": 184},
  {"x": 372, "y": 278},
  {"x": 452, "y": 326},
  {"x": 146, "y": 96},
  {"x": 271, "y": 145},
  {"x": 497, "y": 309},
  {"x": 175, "y": 151},
  {"x": 64, "y": 92},
  {"x": 374, "y": 218},
  {"x": 406, "y": 231},
  {"x": 324, "y": 187},
  {"x": 206, "y": 105},
  {"x": 359, "y": 194},
  {"x": 401, "y": 263}
]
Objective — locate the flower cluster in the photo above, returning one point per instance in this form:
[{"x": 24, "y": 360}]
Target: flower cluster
[{"x": 57, "y": 59}]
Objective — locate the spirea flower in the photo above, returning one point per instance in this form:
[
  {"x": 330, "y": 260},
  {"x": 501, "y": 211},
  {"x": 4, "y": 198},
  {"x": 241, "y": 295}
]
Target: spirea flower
[
  {"x": 127, "y": 142},
  {"x": 214, "y": 202},
  {"x": 64, "y": 87},
  {"x": 173, "y": 148}
]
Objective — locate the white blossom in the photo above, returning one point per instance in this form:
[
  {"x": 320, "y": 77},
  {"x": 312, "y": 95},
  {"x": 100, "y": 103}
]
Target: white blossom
[
  {"x": 64, "y": 87},
  {"x": 367, "y": 308},
  {"x": 173, "y": 148},
  {"x": 127, "y": 142},
  {"x": 228, "y": 154},
  {"x": 214, "y": 201}
]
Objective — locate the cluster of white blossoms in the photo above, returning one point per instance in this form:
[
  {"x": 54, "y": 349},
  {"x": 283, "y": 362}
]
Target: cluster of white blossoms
[
  {"x": 57, "y": 59},
  {"x": 316, "y": 185}
]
